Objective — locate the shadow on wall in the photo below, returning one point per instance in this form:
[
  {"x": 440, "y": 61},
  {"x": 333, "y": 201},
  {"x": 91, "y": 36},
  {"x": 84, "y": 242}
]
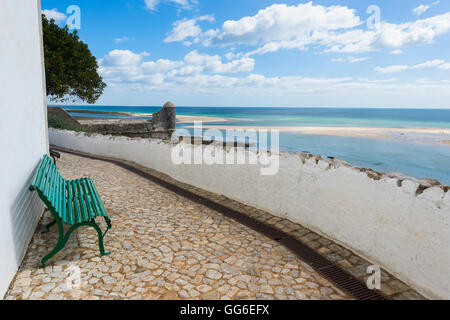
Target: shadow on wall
[{"x": 25, "y": 211}]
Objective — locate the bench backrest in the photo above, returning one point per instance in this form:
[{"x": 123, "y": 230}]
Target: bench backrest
[
  {"x": 50, "y": 184},
  {"x": 73, "y": 201}
]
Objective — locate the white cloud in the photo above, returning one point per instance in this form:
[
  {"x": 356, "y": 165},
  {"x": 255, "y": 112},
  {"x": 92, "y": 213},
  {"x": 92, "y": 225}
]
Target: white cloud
[
  {"x": 351, "y": 59},
  {"x": 121, "y": 58},
  {"x": 388, "y": 35},
  {"x": 121, "y": 66},
  {"x": 230, "y": 55},
  {"x": 421, "y": 9},
  {"x": 160, "y": 66},
  {"x": 187, "y": 28},
  {"x": 330, "y": 29},
  {"x": 120, "y": 40},
  {"x": 392, "y": 69},
  {"x": 124, "y": 66},
  {"x": 213, "y": 64},
  {"x": 429, "y": 64},
  {"x": 55, "y": 14},
  {"x": 184, "y": 4},
  {"x": 396, "y": 52},
  {"x": 281, "y": 22},
  {"x": 200, "y": 75},
  {"x": 151, "y": 4},
  {"x": 399, "y": 68},
  {"x": 420, "y": 31},
  {"x": 418, "y": 11},
  {"x": 424, "y": 81},
  {"x": 445, "y": 66}
]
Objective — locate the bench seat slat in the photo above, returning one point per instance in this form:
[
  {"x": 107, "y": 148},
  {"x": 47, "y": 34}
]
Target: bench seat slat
[
  {"x": 96, "y": 207},
  {"x": 63, "y": 201},
  {"x": 82, "y": 200},
  {"x": 98, "y": 200},
  {"x": 70, "y": 219},
  {"x": 50, "y": 191},
  {"x": 54, "y": 194},
  {"x": 48, "y": 180},
  {"x": 52, "y": 183},
  {"x": 88, "y": 199},
  {"x": 57, "y": 192},
  {"x": 77, "y": 215},
  {"x": 39, "y": 178},
  {"x": 43, "y": 178}
]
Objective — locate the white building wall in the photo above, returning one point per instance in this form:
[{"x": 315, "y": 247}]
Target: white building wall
[
  {"x": 23, "y": 129},
  {"x": 386, "y": 221}
]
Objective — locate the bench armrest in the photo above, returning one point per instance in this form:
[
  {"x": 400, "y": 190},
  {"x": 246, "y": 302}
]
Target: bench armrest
[{"x": 55, "y": 155}]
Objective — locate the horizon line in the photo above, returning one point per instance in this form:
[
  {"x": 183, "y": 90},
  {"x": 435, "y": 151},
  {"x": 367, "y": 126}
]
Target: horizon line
[{"x": 254, "y": 107}]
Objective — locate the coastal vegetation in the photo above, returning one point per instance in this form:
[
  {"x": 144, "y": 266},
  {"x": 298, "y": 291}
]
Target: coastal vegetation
[
  {"x": 59, "y": 123},
  {"x": 70, "y": 68}
]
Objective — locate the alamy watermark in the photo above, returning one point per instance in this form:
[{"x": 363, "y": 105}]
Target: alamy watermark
[
  {"x": 233, "y": 148},
  {"x": 374, "y": 281},
  {"x": 74, "y": 17},
  {"x": 73, "y": 281},
  {"x": 71, "y": 18},
  {"x": 374, "y": 21}
]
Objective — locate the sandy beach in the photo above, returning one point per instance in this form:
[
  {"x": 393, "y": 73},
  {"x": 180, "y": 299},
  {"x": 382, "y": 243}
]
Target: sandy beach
[
  {"x": 423, "y": 135},
  {"x": 191, "y": 119},
  {"x": 445, "y": 142},
  {"x": 435, "y": 136},
  {"x": 344, "y": 131},
  {"x": 180, "y": 118}
]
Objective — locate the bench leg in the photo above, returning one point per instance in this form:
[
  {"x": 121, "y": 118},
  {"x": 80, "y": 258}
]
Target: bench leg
[
  {"x": 64, "y": 238},
  {"x": 59, "y": 246},
  {"x": 57, "y": 249},
  {"x": 100, "y": 238},
  {"x": 48, "y": 226}
]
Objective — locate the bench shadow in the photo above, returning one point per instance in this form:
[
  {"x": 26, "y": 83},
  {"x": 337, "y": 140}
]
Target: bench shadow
[
  {"x": 25, "y": 212},
  {"x": 28, "y": 217}
]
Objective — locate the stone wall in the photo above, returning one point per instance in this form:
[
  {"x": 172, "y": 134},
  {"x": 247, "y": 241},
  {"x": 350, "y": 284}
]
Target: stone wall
[
  {"x": 401, "y": 224},
  {"x": 161, "y": 126},
  {"x": 126, "y": 127}
]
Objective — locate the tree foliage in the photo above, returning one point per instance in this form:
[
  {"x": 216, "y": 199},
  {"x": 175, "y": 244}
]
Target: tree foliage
[{"x": 70, "y": 68}]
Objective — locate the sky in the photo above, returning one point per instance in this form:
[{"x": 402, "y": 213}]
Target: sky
[{"x": 260, "y": 53}]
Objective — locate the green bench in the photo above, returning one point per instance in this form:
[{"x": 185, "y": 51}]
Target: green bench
[{"x": 75, "y": 203}]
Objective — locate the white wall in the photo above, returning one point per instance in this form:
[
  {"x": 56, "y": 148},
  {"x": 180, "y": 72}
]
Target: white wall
[
  {"x": 23, "y": 129},
  {"x": 382, "y": 220}
]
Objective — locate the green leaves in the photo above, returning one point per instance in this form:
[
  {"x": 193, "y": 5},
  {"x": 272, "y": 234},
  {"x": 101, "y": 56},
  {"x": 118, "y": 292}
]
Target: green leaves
[
  {"x": 58, "y": 123},
  {"x": 70, "y": 67}
]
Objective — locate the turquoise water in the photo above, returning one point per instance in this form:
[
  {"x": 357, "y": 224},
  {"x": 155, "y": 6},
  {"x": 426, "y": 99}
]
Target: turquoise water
[
  {"x": 111, "y": 116},
  {"x": 407, "y": 157},
  {"x": 392, "y": 118}
]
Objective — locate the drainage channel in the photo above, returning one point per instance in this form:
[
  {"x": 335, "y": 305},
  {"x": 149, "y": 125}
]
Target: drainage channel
[{"x": 341, "y": 278}]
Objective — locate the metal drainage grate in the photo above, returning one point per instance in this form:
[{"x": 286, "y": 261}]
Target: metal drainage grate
[{"x": 325, "y": 267}]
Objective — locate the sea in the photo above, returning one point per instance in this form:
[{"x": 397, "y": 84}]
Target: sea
[{"x": 410, "y": 157}]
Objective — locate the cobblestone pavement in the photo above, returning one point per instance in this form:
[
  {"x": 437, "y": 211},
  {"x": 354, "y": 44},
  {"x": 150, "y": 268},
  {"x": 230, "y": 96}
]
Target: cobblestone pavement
[
  {"x": 391, "y": 287},
  {"x": 163, "y": 246}
]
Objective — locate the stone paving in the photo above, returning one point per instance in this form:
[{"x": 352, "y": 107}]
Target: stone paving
[
  {"x": 391, "y": 287},
  {"x": 163, "y": 246}
]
